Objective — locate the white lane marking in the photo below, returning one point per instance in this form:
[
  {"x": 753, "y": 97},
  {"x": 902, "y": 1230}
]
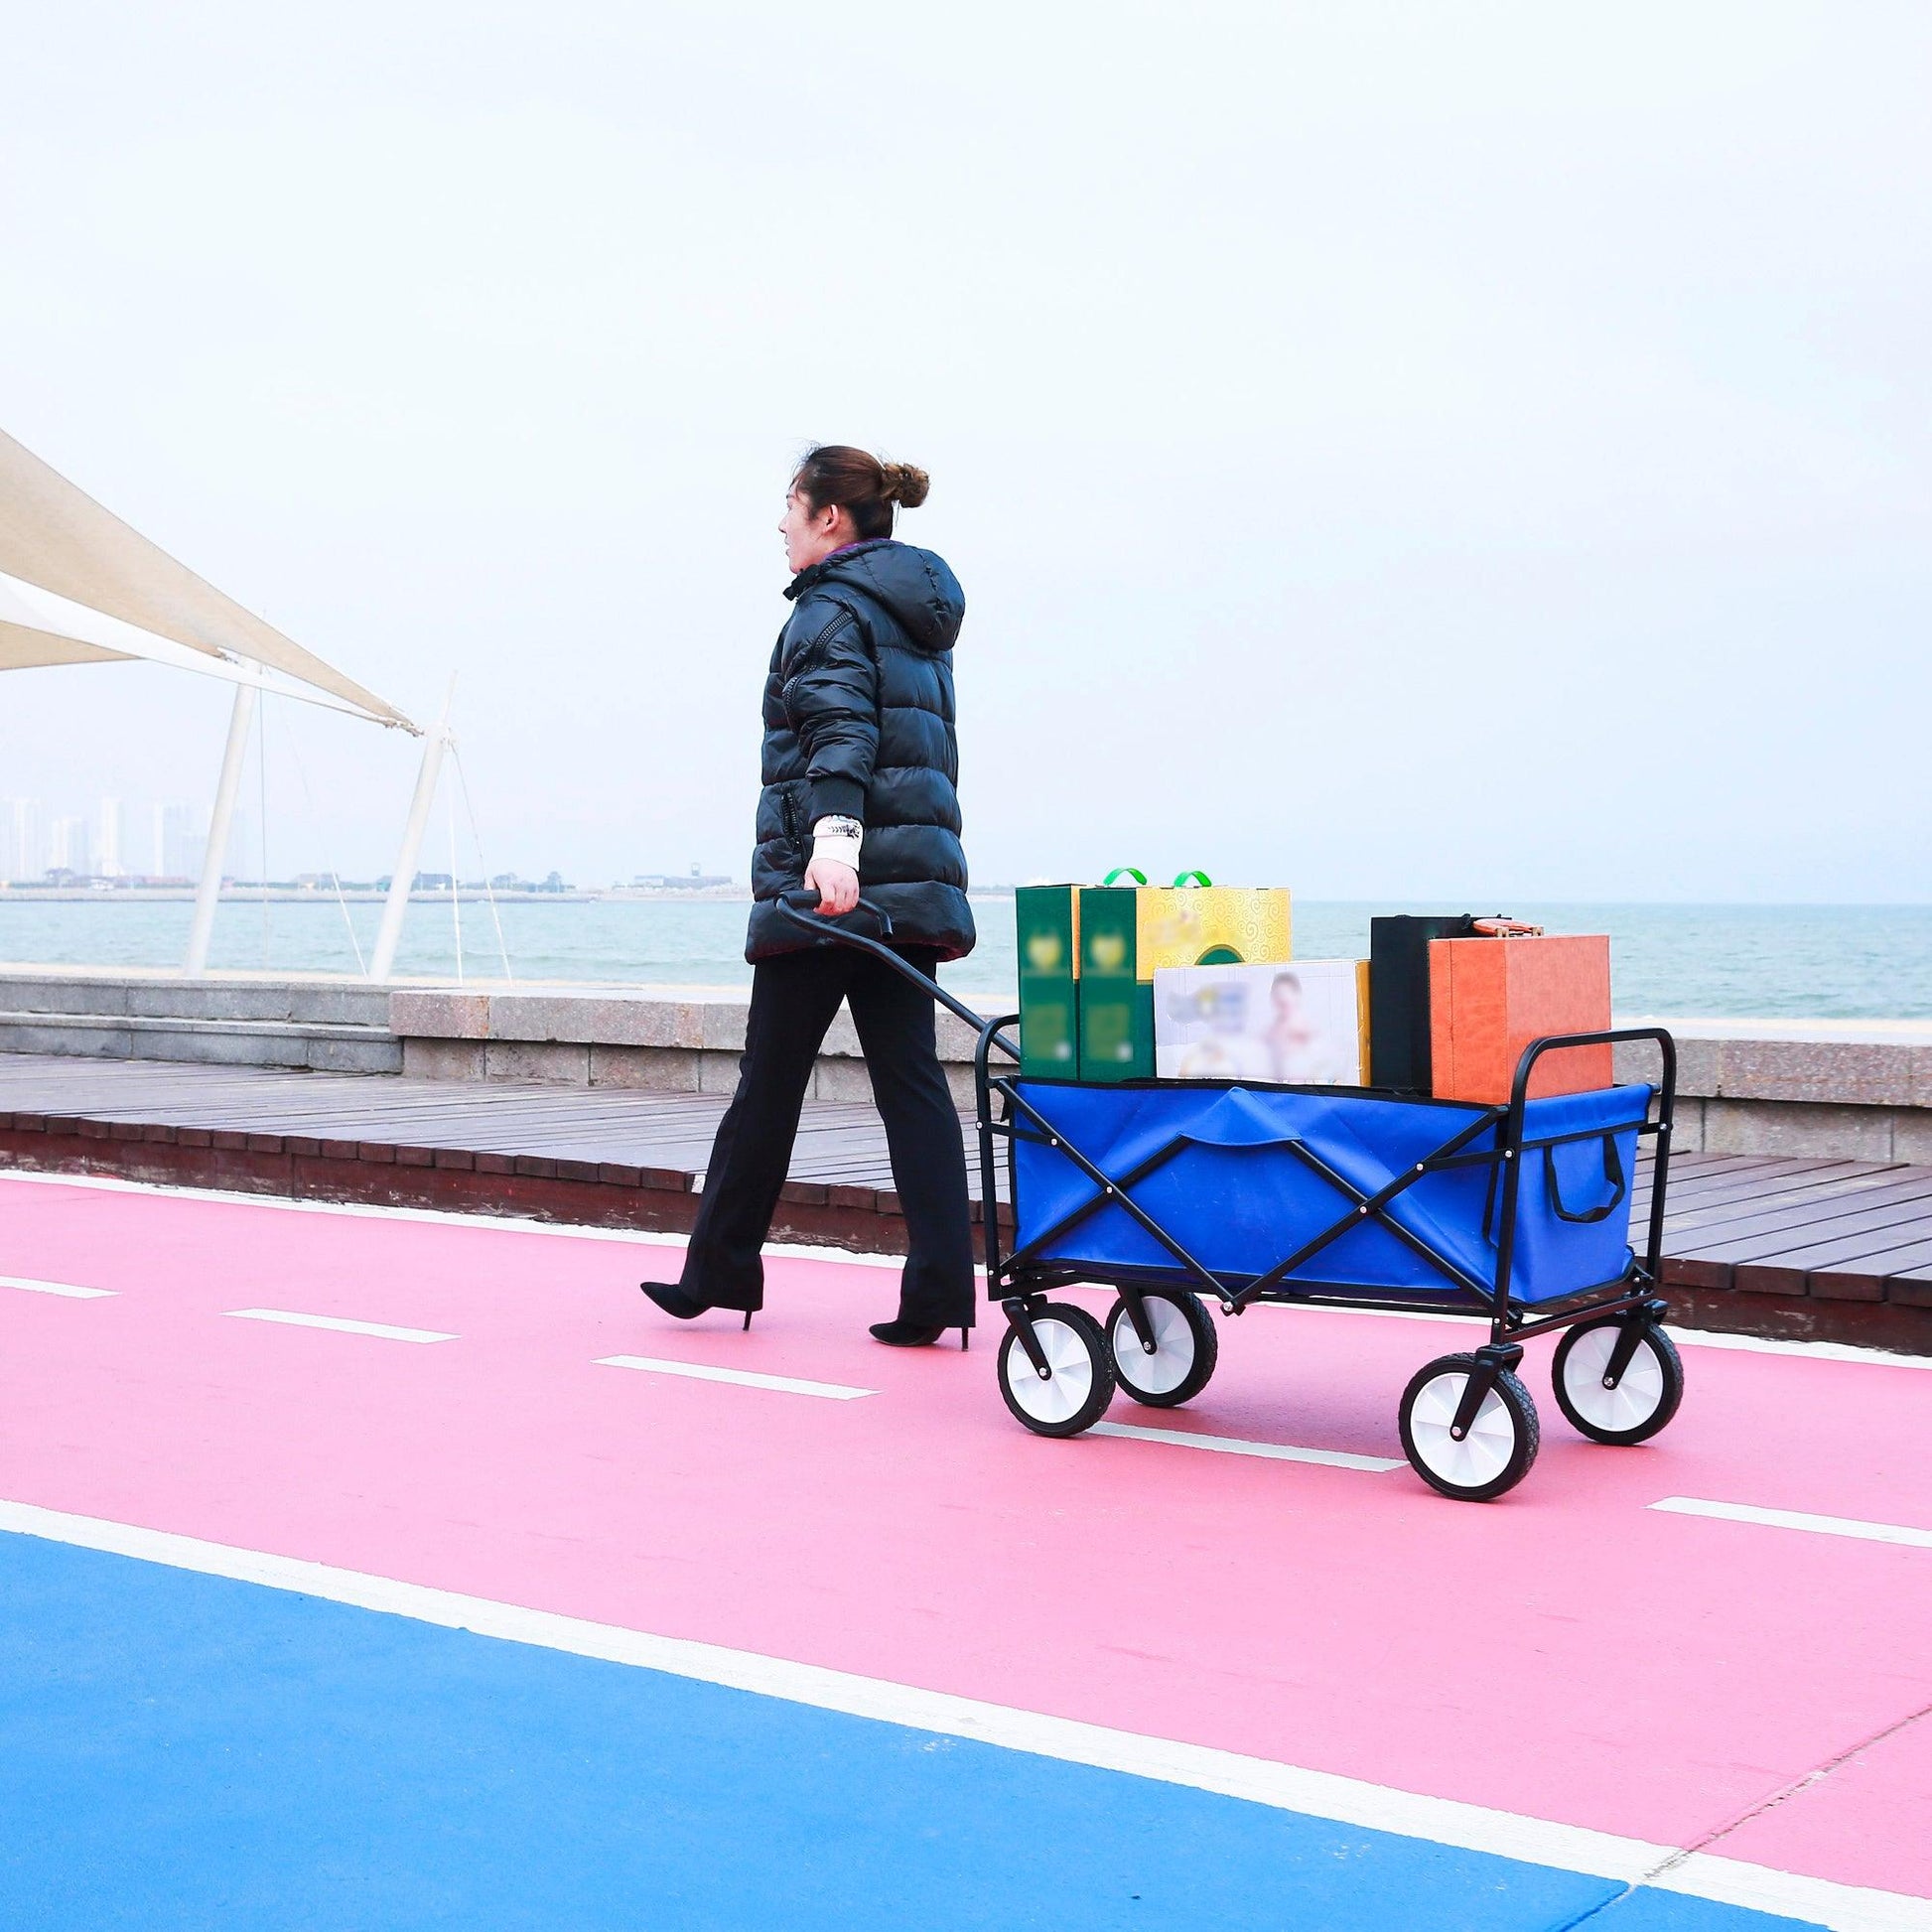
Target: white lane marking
[
  {"x": 1814, "y": 1902},
  {"x": 1827, "y": 1351},
  {"x": 1798, "y": 1519},
  {"x": 72, "y": 1290},
  {"x": 340, "y": 1323},
  {"x": 1833, "y": 1351},
  {"x": 744, "y": 1377},
  {"x": 440, "y": 1217},
  {"x": 1199, "y": 1767},
  {"x": 1823, "y": 1351},
  {"x": 1235, "y": 1445}
]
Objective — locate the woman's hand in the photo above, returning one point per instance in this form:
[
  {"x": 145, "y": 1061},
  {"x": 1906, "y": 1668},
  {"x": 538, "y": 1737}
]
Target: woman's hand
[{"x": 836, "y": 884}]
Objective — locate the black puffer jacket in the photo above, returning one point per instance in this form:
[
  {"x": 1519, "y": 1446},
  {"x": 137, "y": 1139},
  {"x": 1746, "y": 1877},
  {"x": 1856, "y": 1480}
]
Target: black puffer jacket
[{"x": 859, "y": 721}]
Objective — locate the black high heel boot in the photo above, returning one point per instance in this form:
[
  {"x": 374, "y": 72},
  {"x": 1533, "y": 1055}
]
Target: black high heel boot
[
  {"x": 912, "y": 1335},
  {"x": 675, "y": 1302}
]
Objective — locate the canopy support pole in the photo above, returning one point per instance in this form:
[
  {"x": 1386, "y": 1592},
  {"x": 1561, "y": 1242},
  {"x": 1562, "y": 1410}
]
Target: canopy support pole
[
  {"x": 207, "y": 894},
  {"x": 435, "y": 744}
]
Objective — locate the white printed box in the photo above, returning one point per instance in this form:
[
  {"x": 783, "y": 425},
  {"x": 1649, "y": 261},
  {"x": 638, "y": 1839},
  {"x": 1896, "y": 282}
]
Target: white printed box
[{"x": 1302, "y": 1023}]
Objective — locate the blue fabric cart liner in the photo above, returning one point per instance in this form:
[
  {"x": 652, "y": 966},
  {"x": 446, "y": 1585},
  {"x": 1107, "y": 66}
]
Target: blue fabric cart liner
[{"x": 1237, "y": 1192}]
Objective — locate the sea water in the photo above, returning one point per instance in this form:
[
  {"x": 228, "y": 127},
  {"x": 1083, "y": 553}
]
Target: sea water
[{"x": 1748, "y": 961}]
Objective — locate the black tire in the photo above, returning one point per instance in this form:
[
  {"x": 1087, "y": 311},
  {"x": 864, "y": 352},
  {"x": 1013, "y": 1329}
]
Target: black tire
[
  {"x": 1186, "y": 1347},
  {"x": 1501, "y": 1444},
  {"x": 1077, "y": 1396},
  {"x": 1643, "y": 1401}
]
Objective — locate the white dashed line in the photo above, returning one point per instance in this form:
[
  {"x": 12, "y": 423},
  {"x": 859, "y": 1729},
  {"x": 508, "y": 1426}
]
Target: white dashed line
[
  {"x": 699, "y": 1372},
  {"x": 1815, "y": 1351},
  {"x": 72, "y": 1289},
  {"x": 438, "y": 1217},
  {"x": 340, "y": 1323},
  {"x": 1234, "y": 1445},
  {"x": 1798, "y": 1519},
  {"x": 1829, "y": 1351}
]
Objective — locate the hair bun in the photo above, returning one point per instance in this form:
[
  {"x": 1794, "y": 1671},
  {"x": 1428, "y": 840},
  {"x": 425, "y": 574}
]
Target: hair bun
[{"x": 906, "y": 485}]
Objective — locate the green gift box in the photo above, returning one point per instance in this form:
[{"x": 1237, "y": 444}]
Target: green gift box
[
  {"x": 1055, "y": 1041},
  {"x": 1088, "y": 955},
  {"x": 1128, "y": 935},
  {"x": 1116, "y": 1009},
  {"x": 1048, "y": 922}
]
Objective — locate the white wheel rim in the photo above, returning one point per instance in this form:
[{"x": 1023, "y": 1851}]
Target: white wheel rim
[
  {"x": 1483, "y": 1454},
  {"x": 1172, "y": 1360},
  {"x": 1059, "y": 1396},
  {"x": 1637, "y": 1397}
]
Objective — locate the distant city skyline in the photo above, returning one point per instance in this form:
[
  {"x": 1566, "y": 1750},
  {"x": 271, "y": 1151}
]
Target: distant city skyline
[
  {"x": 115, "y": 839},
  {"x": 167, "y": 840}
]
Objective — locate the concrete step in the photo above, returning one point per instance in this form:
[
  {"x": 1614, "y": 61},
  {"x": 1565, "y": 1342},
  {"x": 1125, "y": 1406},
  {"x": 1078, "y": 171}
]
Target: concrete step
[
  {"x": 317, "y": 1045},
  {"x": 148, "y": 993}
]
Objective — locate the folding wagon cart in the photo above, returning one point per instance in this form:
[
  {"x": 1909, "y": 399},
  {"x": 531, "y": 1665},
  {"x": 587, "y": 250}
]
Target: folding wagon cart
[{"x": 1177, "y": 1194}]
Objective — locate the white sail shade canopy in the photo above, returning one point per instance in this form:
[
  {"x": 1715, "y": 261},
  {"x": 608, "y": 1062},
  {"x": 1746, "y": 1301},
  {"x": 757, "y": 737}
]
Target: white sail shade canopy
[
  {"x": 77, "y": 586},
  {"x": 37, "y": 627}
]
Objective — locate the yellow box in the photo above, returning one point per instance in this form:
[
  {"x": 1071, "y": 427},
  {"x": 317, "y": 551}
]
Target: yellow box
[{"x": 1210, "y": 925}]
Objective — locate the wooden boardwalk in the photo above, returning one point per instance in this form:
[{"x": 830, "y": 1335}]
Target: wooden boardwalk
[
  {"x": 1771, "y": 1245},
  {"x": 667, "y": 1134}
]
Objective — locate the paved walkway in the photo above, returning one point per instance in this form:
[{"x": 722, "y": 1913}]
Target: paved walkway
[{"x": 388, "y": 1570}]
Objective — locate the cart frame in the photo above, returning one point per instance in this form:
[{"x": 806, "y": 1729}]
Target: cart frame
[{"x": 1020, "y": 1281}]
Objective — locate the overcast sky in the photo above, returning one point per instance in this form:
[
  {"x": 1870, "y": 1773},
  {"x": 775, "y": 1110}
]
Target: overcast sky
[{"x": 1392, "y": 451}]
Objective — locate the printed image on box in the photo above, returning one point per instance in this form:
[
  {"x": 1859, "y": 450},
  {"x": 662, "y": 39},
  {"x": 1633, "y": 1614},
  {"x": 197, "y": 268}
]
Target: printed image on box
[{"x": 1298, "y": 1023}]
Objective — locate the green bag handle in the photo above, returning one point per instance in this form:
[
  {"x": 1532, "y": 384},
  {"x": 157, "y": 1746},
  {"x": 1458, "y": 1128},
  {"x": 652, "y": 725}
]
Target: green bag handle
[
  {"x": 1139, "y": 877},
  {"x": 1192, "y": 879}
]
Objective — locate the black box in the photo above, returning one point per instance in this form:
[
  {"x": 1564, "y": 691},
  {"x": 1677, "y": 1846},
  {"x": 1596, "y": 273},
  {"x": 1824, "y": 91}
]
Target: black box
[{"x": 1398, "y": 995}]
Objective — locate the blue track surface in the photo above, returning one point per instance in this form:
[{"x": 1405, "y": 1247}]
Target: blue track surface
[{"x": 184, "y": 1751}]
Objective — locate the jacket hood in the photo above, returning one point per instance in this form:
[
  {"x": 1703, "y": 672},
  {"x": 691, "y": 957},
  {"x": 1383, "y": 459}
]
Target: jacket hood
[{"x": 917, "y": 586}]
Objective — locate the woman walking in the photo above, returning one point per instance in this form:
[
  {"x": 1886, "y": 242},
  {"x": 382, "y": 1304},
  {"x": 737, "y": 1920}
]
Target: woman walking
[{"x": 859, "y": 769}]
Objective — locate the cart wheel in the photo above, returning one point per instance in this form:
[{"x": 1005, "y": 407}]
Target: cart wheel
[
  {"x": 1501, "y": 1444},
  {"x": 1186, "y": 1347},
  {"x": 1645, "y": 1397},
  {"x": 1075, "y": 1393}
]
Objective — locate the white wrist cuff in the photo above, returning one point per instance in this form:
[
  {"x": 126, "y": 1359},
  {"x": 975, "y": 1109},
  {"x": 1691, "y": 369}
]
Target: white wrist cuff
[{"x": 840, "y": 839}]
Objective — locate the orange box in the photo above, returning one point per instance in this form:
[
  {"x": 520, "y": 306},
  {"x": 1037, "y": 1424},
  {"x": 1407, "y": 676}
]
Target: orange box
[{"x": 1489, "y": 998}]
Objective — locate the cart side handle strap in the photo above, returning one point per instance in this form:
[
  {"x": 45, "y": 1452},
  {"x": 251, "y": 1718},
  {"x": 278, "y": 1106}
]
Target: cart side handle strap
[
  {"x": 1666, "y": 1097},
  {"x": 1612, "y": 1176}
]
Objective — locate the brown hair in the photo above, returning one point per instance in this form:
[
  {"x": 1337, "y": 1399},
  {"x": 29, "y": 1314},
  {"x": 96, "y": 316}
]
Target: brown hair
[{"x": 836, "y": 476}]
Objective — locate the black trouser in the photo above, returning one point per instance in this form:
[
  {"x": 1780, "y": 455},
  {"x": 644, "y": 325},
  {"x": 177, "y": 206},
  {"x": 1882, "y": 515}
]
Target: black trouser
[{"x": 794, "y": 999}]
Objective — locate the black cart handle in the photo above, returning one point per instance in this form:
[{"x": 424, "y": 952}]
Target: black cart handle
[
  {"x": 807, "y": 899},
  {"x": 1658, "y": 1036},
  {"x": 802, "y": 909}
]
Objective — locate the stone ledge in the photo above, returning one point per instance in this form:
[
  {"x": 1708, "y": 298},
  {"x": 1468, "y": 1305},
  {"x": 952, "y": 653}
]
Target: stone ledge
[
  {"x": 680, "y": 1019},
  {"x": 227, "y": 1042},
  {"x": 1840, "y": 1088},
  {"x": 1869, "y": 1063},
  {"x": 296, "y": 998},
  {"x": 1859, "y": 1063}
]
